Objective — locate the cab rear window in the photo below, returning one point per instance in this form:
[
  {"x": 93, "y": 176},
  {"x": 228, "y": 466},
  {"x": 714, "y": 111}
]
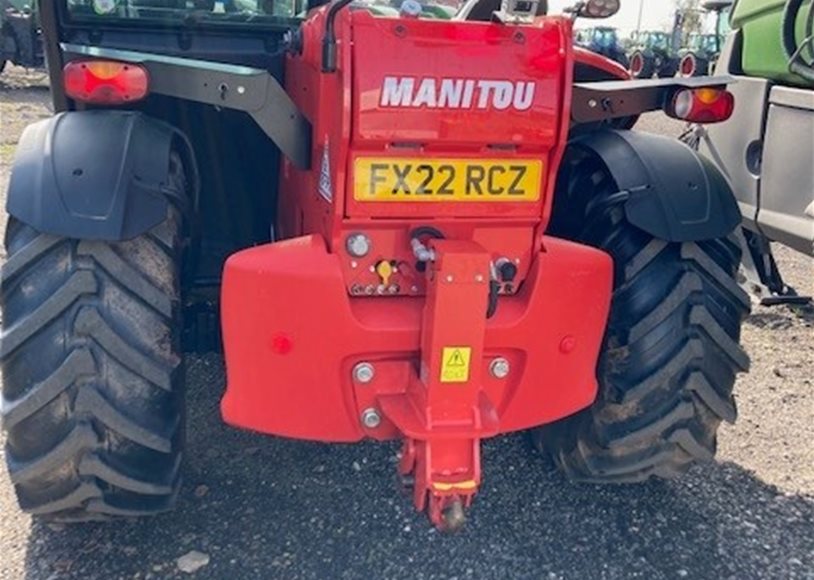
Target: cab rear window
[{"x": 185, "y": 12}]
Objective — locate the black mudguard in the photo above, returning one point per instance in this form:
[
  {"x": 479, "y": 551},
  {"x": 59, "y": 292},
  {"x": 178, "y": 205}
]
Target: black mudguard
[
  {"x": 674, "y": 193},
  {"x": 94, "y": 175}
]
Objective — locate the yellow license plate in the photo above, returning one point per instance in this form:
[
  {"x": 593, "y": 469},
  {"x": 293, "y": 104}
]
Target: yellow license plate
[{"x": 450, "y": 180}]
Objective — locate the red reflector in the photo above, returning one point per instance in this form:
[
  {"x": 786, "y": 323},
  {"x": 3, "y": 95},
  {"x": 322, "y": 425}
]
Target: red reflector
[
  {"x": 705, "y": 105},
  {"x": 105, "y": 82},
  {"x": 281, "y": 344}
]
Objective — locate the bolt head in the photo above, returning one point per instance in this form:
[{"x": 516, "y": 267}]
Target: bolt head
[
  {"x": 500, "y": 368},
  {"x": 358, "y": 245},
  {"x": 371, "y": 418},
  {"x": 568, "y": 344},
  {"x": 363, "y": 373}
]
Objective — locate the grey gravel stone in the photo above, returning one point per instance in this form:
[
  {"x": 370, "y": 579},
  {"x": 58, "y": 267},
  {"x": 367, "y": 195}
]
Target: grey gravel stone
[{"x": 192, "y": 561}]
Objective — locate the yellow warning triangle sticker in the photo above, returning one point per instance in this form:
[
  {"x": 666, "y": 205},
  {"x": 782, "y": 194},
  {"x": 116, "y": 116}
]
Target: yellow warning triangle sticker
[
  {"x": 455, "y": 364},
  {"x": 457, "y": 359}
]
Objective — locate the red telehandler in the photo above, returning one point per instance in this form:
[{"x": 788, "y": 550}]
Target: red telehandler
[{"x": 413, "y": 229}]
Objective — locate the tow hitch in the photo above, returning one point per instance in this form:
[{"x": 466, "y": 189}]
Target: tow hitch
[{"x": 444, "y": 412}]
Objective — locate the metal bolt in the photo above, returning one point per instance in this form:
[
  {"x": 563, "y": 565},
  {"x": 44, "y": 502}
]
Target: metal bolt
[
  {"x": 593, "y": 103},
  {"x": 370, "y": 289},
  {"x": 450, "y": 278},
  {"x": 354, "y": 264},
  {"x": 479, "y": 278},
  {"x": 499, "y": 368},
  {"x": 358, "y": 245},
  {"x": 363, "y": 373},
  {"x": 371, "y": 418},
  {"x": 393, "y": 289}
]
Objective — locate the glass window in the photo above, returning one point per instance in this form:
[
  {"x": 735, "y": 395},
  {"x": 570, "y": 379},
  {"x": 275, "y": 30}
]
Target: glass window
[{"x": 173, "y": 12}]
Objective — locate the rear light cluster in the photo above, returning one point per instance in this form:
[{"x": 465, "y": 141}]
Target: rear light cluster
[
  {"x": 105, "y": 82},
  {"x": 705, "y": 105}
]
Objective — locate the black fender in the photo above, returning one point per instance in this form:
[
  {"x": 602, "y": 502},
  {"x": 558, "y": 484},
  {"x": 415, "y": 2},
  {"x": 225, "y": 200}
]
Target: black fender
[
  {"x": 96, "y": 175},
  {"x": 671, "y": 191}
]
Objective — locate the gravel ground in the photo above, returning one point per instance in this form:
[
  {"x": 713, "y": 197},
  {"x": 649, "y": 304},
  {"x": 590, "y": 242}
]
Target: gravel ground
[{"x": 259, "y": 507}]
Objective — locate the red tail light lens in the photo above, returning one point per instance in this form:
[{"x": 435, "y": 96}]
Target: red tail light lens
[
  {"x": 706, "y": 105},
  {"x": 105, "y": 82}
]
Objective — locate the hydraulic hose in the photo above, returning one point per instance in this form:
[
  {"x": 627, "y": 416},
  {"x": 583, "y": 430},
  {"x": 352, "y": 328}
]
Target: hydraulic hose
[
  {"x": 794, "y": 52},
  {"x": 329, "y": 39},
  {"x": 424, "y": 255}
]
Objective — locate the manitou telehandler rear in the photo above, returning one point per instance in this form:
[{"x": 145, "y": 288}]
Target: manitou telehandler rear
[{"x": 413, "y": 229}]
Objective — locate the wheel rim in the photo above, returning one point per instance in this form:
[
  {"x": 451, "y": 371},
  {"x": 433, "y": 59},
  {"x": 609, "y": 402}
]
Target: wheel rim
[
  {"x": 688, "y": 66},
  {"x": 636, "y": 65}
]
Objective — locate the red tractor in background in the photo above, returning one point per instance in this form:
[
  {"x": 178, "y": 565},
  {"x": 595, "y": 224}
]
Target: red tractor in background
[{"x": 423, "y": 230}]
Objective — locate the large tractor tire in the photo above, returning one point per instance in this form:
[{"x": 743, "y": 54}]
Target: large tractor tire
[
  {"x": 693, "y": 65},
  {"x": 642, "y": 65},
  {"x": 92, "y": 398},
  {"x": 671, "y": 351},
  {"x": 668, "y": 69}
]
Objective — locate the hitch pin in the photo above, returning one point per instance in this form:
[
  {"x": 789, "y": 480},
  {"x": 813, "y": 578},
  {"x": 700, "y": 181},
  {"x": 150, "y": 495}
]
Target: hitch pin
[{"x": 421, "y": 252}]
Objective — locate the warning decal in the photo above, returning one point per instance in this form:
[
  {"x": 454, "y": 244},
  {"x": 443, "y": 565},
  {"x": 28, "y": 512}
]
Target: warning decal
[
  {"x": 455, "y": 364},
  {"x": 325, "y": 189}
]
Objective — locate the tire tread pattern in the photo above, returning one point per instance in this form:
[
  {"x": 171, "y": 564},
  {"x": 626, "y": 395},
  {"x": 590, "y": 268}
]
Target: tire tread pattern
[
  {"x": 672, "y": 348},
  {"x": 99, "y": 434}
]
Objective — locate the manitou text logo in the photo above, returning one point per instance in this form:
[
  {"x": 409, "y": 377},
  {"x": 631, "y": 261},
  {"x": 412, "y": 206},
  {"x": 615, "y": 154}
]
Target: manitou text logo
[{"x": 456, "y": 93}]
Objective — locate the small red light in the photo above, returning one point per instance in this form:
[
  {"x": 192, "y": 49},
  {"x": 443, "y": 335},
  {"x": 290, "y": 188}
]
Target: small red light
[
  {"x": 281, "y": 344},
  {"x": 105, "y": 82},
  {"x": 704, "y": 105}
]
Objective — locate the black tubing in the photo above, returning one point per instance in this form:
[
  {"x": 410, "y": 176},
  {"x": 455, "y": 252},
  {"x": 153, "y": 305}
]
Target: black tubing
[
  {"x": 792, "y": 50},
  {"x": 329, "y": 40}
]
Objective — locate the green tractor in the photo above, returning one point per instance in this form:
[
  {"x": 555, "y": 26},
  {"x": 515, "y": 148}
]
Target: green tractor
[
  {"x": 766, "y": 148},
  {"x": 20, "y": 42},
  {"x": 603, "y": 40},
  {"x": 654, "y": 53},
  {"x": 701, "y": 52}
]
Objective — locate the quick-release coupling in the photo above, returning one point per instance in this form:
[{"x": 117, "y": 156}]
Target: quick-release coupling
[{"x": 421, "y": 252}]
